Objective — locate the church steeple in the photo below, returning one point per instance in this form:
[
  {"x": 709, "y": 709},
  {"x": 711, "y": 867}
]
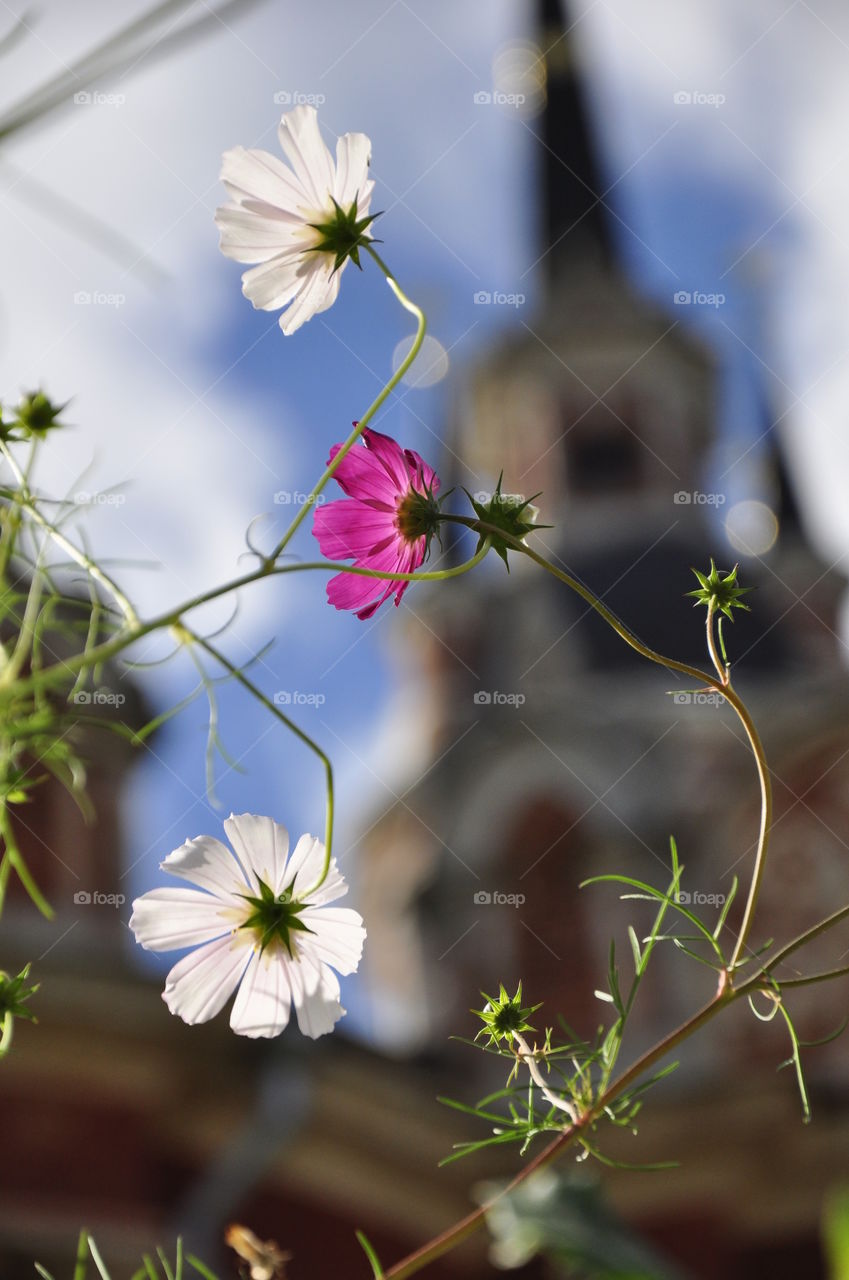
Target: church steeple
[{"x": 575, "y": 222}]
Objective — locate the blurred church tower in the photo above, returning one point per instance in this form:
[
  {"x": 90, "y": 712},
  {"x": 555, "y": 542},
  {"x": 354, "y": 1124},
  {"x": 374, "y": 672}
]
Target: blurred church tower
[{"x": 544, "y": 750}]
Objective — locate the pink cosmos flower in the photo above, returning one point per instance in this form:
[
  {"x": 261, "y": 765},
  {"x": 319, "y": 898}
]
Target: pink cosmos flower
[{"x": 387, "y": 523}]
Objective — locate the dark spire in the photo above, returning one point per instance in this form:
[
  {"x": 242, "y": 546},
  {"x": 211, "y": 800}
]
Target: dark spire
[{"x": 573, "y": 219}]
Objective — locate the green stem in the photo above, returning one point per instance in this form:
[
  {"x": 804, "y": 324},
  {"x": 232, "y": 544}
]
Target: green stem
[
  {"x": 467, "y": 1226},
  {"x": 721, "y": 668},
  {"x": 101, "y": 653},
  {"x": 720, "y": 683},
  {"x": 363, "y": 422},
  {"x": 256, "y": 692},
  {"x": 8, "y": 1025}
]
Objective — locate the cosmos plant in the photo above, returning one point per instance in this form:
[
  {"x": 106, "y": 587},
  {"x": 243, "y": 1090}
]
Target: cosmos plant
[{"x": 256, "y": 921}]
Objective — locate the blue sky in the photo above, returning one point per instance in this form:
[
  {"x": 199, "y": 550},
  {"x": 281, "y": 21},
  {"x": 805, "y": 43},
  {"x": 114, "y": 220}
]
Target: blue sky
[{"x": 210, "y": 411}]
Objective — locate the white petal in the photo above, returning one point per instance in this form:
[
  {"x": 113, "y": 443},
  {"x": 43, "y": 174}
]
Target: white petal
[
  {"x": 272, "y": 284},
  {"x": 264, "y": 999},
  {"x": 306, "y": 865},
  {"x": 248, "y": 237},
  {"x": 202, "y": 982},
  {"x": 167, "y": 919},
  {"x": 258, "y": 175},
  {"x": 304, "y": 148},
  {"x": 319, "y": 292},
  {"x": 261, "y": 845},
  {"x": 353, "y": 153},
  {"x": 315, "y": 993},
  {"x": 209, "y": 864},
  {"x": 337, "y": 938}
]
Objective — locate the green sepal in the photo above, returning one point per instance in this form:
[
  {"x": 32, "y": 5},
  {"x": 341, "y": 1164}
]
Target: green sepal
[
  {"x": 722, "y": 593},
  {"x": 507, "y": 513},
  {"x": 275, "y": 917},
  {"x": 504, "y": 1015},
  {"x": 14, "y": 993},
  {"x": 344, "y": 234}
]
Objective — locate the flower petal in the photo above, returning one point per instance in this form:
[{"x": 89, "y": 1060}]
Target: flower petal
[
  {"x": 168, "y": 919},
  {"x": 315, "y": 994},
  {"x": 262, "y": 846},
  {"x": 305, "y": 149},
  {"x": 338, "y": 936},
  {"x": 253, "y": 174},
  {"x": 264, "y": 999},
  {"x": 209, "y": 864},
  {"x": 353, "y": 156},
  {"x": 391, "y": 457},
  {"x": 361, "y": 476},
  {"x": 273, "y": 284},
  {"x": 321, "y": 287},
  {"x": 422, "y": 475},
  {"x": 202, "y": 982},
  {"x": 349, "y": 529},
  {"x": 306, "y": 865},
  {"x": 249, "y": 237}
]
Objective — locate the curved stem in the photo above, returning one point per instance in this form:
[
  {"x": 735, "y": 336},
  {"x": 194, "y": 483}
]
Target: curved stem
[
  {"x": 61, "y": 671},
  {"x": 421, "y": 324},
  {"x": 238, "y": 674},
  {"x": 527, "y": 1055},
  {"x": 765, "y": 822},
  {"x": 721, "y": 668},
  {"x": 461, "y": 1230},
  {"x": 720, "y": 683}
]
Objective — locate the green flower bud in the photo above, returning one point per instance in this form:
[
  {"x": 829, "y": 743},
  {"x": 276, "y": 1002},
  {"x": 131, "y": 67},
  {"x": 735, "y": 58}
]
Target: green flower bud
[
  {"x": 720, "y": 593},
  {"x": 515, "y": 515},
  {"x": 502, "y": 1016}
]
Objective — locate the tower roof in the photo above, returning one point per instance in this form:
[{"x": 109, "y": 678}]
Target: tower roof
[{"x": 574, "y": 221}]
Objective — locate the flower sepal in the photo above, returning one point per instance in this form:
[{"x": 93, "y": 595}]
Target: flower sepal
[
  {"x": 14, "y": 994},
  {"x": 503, "y": 1016},
  {"x": 34, "y": 416},
  {"x": 720, "y": 594},
  {"x": 344, "y": 235},
  {"x": 515, "y": 515}
]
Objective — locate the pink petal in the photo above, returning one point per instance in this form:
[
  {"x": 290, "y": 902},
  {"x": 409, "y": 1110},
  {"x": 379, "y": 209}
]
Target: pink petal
[
  {"x": 360, "y": 475},
  {"x": 347, "y": 529},
  {"x": 424, "y": 477},
  {"x": 391, "y": 457}
]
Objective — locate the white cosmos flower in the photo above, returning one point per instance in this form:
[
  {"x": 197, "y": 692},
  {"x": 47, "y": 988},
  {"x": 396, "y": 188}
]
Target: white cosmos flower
[
  {"x": 254, "y": 924},
  {"x": 299, "y": 223}
]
